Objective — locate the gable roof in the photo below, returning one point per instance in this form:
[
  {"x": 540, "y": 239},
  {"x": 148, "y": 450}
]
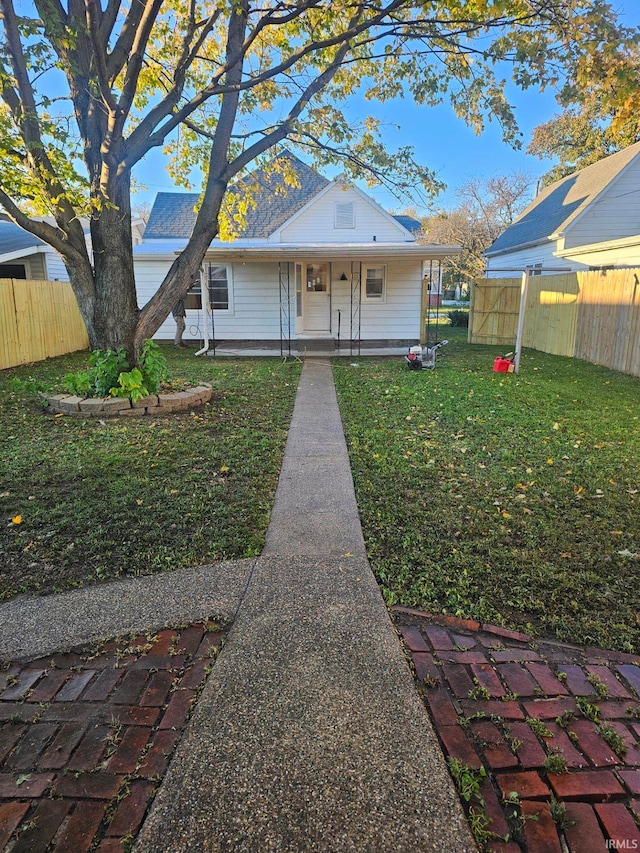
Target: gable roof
[
  {"x": 557, "y": 207},
  {"x": 173, "y": 214}
]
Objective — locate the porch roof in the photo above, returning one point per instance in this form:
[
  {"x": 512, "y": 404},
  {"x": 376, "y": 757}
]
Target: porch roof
[
  {"x": 330, "y": 251},
  {"x": 260, "y": 250}
]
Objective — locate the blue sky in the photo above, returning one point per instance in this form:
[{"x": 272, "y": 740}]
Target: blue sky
[{"x": 441, "y": 141}]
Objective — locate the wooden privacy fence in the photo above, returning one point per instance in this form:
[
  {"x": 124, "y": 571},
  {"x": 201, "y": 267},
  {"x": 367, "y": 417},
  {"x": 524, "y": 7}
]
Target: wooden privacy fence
[
  {"x": 594, "y": 315},
  {"x": 38, "y": 320}
]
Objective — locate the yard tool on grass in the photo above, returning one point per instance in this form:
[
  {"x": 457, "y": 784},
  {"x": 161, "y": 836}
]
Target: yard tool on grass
[{"x": 420, "y": 357}]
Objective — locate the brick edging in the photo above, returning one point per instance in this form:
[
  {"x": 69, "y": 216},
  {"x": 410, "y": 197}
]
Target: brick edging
[{"x": 109, "y": 407}]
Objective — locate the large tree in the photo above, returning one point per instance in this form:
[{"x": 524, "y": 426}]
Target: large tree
[
  {"x": 600, "y": 101},
  {"x": 485, "y": 207},
  {"x": 90, "y": 87}
]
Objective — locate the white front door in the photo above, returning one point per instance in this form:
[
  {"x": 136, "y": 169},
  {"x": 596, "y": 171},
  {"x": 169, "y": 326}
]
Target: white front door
[{"x": 317, "y": 307}]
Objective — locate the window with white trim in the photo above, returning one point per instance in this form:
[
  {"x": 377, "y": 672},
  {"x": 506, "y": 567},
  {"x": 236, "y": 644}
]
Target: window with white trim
[
  {"x": 345, "y": 214},
  {"x": 375, "y": 283},
  {"x": 218, "y": 279}
]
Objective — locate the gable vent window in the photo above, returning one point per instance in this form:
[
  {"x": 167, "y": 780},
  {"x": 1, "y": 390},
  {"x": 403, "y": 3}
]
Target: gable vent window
[{"x": 345, "y": 215}]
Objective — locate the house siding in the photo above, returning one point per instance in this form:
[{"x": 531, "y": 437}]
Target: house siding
[
  {"x": 511, "y": 264},
  {"x": 256, "y": 302},
  {"x": 616, "y": 214},
  {"x": 398, "y": 317},
  {"x": 628, "y": 256},
  {"x": 55, "y": 268},
  {"x": 317, "y": 223}
]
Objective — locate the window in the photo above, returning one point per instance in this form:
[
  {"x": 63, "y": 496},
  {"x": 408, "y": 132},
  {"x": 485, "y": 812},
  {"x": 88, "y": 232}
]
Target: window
[
  {"x": 218, "y": 287},
  {"x": 375, "y": 280},
  {"x": 218, "y": 278},
  {"x": 535, "y": 269},
  {"x": 345, "y": 215}
]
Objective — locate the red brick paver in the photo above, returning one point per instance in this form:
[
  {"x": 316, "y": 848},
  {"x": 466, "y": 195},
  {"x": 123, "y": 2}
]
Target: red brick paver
[
  {"x": 501, "y": 704},
  {"x": 86, "y": 736}
]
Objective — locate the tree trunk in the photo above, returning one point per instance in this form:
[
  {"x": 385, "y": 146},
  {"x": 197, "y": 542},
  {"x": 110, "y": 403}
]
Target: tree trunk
[{"x": 115, "y": 313}]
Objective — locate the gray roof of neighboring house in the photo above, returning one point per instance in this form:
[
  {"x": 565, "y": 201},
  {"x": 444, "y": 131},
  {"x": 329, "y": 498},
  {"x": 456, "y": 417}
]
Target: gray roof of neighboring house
[
  {"x": 173, "y": 214},
  {"x": 16, "y": 239},
  {"x": 409, "y": 222},
  {"x": 559, "y": 204}
]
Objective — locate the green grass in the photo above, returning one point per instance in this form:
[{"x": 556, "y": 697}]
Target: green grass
[
  {"x": 138, "y": 496},
  {"x": 510, "y": 499}
]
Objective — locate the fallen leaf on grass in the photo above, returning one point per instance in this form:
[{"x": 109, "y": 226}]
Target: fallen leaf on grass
[{"x": 17, "y": 519}]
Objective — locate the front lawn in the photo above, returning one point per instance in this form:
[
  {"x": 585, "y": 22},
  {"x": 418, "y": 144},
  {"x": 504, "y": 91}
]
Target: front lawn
[
  {"x": 82, "y": 500},
  {"x": 510, "y": 499}
]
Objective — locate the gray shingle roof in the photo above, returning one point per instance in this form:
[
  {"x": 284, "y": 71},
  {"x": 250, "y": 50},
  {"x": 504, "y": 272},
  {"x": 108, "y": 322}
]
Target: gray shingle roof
[
  {"x": 173, "y": 214},
  {"x": 15, "y": 239},
  {"x": 409, "y": 222},
  {"x": 559, "y": 204}
]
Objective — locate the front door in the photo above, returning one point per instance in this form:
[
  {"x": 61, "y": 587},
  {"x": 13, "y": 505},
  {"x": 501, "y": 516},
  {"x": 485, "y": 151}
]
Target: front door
[{"x": 317, "y": 300}]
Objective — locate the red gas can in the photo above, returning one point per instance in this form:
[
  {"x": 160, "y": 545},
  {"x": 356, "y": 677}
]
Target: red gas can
[{"x": 503, "y": 365}]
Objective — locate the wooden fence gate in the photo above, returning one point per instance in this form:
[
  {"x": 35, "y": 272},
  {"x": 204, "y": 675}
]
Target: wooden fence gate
[{"x": 593, "y": 315}]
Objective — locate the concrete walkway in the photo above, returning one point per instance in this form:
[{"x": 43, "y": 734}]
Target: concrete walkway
[{"x": 309, "y": 735}]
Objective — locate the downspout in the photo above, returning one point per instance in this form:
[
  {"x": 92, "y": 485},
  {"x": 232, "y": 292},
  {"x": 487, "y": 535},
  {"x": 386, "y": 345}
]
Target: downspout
[{"x": 206, "y": 310}]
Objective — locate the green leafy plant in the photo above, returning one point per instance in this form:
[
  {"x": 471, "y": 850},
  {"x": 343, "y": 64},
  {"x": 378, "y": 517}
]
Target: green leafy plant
[
  {"x": 459, "y": 318},
  {"x": 131, "y": 385},
  {"x": 108, "y": 374},
  {"x": 555, "y": 762},
  {"x": 104, "y": 368},
  {"x": 588, "y": 709},
  {"x": 153, "y": 366},
  {"x": 467, "y": 780},
  {"x": 538, "y": 727},
  {"x": 599, "y": 686},
  {"x": 558, "y": 813},
  {"x": 613, "y": 738}
]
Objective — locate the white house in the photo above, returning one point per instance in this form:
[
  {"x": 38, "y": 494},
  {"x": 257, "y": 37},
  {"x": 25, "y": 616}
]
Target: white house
[
  {"x": 320, "y": 260},
  {"x": 587, "y": 220}
]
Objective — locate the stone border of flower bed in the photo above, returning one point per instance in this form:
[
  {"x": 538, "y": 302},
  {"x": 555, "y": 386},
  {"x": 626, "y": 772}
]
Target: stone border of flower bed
[{"x": 110, "y": 407}]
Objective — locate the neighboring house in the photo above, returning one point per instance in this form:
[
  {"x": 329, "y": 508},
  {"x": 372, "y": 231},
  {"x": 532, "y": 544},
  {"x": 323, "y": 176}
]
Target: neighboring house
[
  {"x": 588, "y": 220},
  {"x": 319, "y": 260},
  {"x": 22, "y": 255}
]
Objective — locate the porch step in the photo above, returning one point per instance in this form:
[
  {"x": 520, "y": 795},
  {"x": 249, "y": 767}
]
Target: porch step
[{"x": 315, "y": 344}]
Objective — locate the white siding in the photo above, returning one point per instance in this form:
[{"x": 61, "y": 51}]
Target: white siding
[
  {"x": 317, "y": 224},
  {"x": 627, "y": 256},
  {"x": 398, "y": 317},
  {"x": 55, "y": 268},
  {"x": 616, "y": 214},
  {"x": 256, "y": 302},
  {"x": 511, "y": 264}
]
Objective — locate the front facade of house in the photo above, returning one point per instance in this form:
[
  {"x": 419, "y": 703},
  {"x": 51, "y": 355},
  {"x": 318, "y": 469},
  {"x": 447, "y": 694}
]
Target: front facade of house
[
  {"x": 588, "y": 220},
  {"x": 323, "y": 261}
]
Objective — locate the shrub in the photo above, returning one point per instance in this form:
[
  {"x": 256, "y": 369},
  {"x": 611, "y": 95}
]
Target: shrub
[
  {"x": 153, "y": 366},
  {"x": 108, "y": 374},
  {"x": 459, "y": 318}
]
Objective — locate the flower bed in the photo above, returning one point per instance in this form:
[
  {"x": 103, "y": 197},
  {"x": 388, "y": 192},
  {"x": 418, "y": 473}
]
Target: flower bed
[{"x": 108, "y": 407}]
